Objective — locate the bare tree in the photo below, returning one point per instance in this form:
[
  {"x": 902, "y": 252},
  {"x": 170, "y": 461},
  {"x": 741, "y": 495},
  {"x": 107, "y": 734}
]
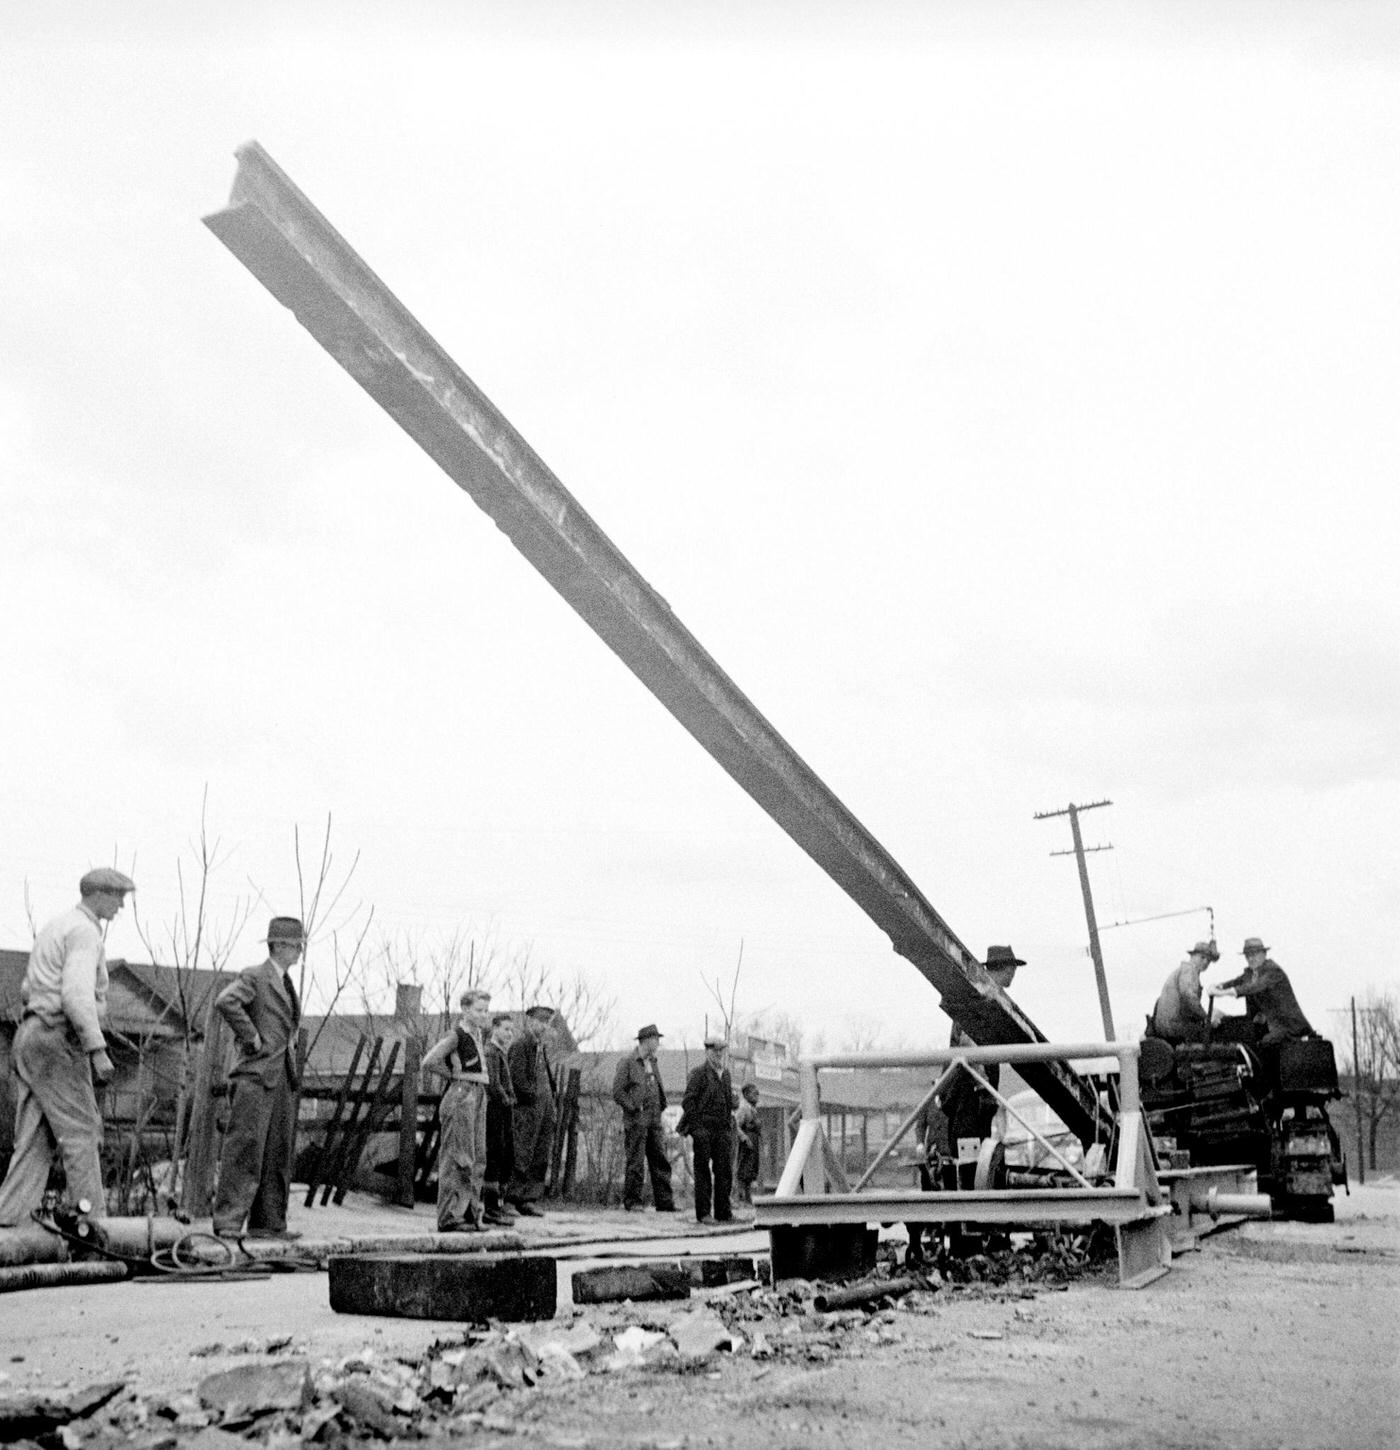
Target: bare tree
[
  {"x": 586, "y": 1010},
  {"x": 727, "y": 1013},
  {"x": 1374, "y": 1067},
  {"x": 189, "y": 953},
  {"x": 325, "y": 914},
  {"x": 785, "y": 1028}
]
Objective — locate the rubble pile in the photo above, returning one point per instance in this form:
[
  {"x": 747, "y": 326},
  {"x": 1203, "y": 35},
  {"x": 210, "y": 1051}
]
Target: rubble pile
[
  {"x": 498, "y": 1377},
  {"x": 1043, "y": 1259}
]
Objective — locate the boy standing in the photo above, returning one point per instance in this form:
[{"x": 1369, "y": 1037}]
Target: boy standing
[
  {"x": 461, "y": 1056},
  {"x": 500, "y": 1106}
]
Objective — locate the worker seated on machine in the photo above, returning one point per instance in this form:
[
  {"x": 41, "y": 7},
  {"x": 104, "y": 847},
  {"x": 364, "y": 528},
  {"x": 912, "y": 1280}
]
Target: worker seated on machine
[
  {"x": 1294, "y": 1056},
  {"x": 1273, "y": 1010},
  {"x": 1179, "y": 1016}
]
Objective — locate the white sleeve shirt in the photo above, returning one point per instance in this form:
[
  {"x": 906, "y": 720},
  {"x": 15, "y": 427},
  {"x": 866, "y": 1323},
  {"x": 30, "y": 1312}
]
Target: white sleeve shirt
[{"x": 67, "y": 976}]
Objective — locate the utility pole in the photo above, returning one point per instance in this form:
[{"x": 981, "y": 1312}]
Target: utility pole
[{"x": 1072, "y": 811}]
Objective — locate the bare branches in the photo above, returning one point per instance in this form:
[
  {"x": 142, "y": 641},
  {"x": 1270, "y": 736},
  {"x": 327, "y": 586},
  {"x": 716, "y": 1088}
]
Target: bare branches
[
  {"x": 727, "y": 1016},
  {"x": 1374, "y": 1067}
]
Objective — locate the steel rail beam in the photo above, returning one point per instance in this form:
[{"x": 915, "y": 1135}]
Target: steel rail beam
[{"x": 275, "y": 231}]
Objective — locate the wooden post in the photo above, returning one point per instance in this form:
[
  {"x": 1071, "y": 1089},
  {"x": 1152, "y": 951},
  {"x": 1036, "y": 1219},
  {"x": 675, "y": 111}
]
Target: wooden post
[
  {"x": 320, "y": 1169},
  {"x": 408, "y": 1122},
  {"x": 197, "y": 1197},
  {"x": 367, "y": 1128},
  {"x": 331, "y": 1175},
  {"x": 565, "y": 1122},
  {"x": 303, "y": 1052}
]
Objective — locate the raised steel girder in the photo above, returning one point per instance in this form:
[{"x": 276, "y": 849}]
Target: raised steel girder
[{"x": 287, "y": 244}]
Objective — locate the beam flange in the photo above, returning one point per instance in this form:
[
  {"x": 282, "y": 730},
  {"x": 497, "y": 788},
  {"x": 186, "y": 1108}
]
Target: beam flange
[{"x": 303, "y": 261}]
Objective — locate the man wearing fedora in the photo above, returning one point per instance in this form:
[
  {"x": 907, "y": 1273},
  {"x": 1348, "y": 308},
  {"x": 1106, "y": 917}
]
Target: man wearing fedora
[
  {"x": 59, "y": 1052},
  {"x": 1268, "y": 996},
  {"x": 969, "y": 1108},
  {"x": 255, "y": 1166},
  {"x": 1179, "y": 1016},
  {"x": 707, "y": 1115},
  {"x": 637, "y": 1090}
]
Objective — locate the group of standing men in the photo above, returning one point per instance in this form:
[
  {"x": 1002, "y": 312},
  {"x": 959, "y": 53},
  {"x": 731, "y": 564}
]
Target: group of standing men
[
  {"x": 60, "y": 1059},
  {"x": 498, "y": 1113},
  {"x": 712, "y": 1116},
  {"x": 497, "y": 1116}
]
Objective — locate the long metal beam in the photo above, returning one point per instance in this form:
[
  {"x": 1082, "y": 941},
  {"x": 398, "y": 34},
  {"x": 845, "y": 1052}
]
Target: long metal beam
[{"x": 275, "y": 231}]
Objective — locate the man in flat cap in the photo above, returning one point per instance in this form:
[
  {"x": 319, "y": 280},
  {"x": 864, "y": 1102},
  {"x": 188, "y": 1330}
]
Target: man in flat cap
[
  {"x": 255, "y": 1165},
  {"x": 532, "y": 1081},
  {"x": 637, "y": 1090},
  {"x": 59, "y": 1051},
  {"x": 1268, "y": 996},
  {"x": 969, "y": 1108},
  {"x": 1179, "y": 1016},
  {"x": 707, "y": 1115}
]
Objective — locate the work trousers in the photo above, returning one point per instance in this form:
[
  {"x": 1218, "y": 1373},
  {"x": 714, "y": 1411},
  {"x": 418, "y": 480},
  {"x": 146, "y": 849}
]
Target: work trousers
[
  {"x": 971, "y": 1112},
  {"x": 746, "y": 1168},
  {"x": 461, "y": 1155},
  {"x": 534, "y": 1142},
  {"x": 714, "y": 1172},
  {"x": 500, "y": 1153},
  {"x": 643, "y": 1141},
  {"x": 55, "y": 1111},
  {"x": 255, "y": 1163}
]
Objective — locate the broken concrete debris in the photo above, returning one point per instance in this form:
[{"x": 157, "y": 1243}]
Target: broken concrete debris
[{"x": 484, "y": 1377}]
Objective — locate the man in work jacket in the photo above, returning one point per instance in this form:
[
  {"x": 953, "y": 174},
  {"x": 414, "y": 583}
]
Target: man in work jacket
[
  {"x": 638, "y": 1091},
  {"x": 461, "y": 1165},
  {"x": 1179, "y": 1015},
  {"x": 1268, "y": 996},
  {"x": 532, "y": 1080},
  {"x": 59, "y": 1050},
  {"x": 707, "y": 1115},
  {"x": 255, "y": 1164}
]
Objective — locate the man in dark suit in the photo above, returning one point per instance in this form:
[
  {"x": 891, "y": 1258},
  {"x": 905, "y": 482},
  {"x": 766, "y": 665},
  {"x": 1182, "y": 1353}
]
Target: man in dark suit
[
  {"x": 532, "y": 1081},
  {"x": 707, "y": 1115},
  {"x": 262, "y": 1009}
]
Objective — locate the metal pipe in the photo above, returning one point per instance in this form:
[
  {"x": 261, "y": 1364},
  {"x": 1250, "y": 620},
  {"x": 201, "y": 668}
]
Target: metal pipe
[
  {"x": 49, "y": 1276},
  {"x": 809, "y": 1091},
  {"x": 1215, "y": 1203},
  {"x": 1013, "y": 1052},
  {"x": 871, "y": 1291}
]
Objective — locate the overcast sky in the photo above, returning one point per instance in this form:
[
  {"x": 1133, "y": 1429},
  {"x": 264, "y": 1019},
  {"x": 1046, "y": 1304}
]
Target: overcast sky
[{"x": 1005, "y": 396}]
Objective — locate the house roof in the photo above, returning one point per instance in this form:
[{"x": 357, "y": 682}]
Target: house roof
[
  {"x": 675, "y": 1064},
  {"x": 334, "y": 1037},
  {"x": 141, "y": 999}
]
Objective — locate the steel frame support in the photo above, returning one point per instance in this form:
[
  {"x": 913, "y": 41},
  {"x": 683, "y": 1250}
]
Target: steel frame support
[{"x": 810, "y": 1193}]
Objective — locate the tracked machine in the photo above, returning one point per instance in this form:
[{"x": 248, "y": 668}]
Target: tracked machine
[{"x": 1228, "y": 1100}]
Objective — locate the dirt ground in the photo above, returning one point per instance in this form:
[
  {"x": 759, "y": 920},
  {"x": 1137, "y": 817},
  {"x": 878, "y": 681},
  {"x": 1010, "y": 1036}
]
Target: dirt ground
[{"x": 1269, "y": 1335}]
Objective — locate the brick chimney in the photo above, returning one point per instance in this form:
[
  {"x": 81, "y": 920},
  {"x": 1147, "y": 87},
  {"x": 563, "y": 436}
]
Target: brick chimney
[{"x": 408, "y": 1001}]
